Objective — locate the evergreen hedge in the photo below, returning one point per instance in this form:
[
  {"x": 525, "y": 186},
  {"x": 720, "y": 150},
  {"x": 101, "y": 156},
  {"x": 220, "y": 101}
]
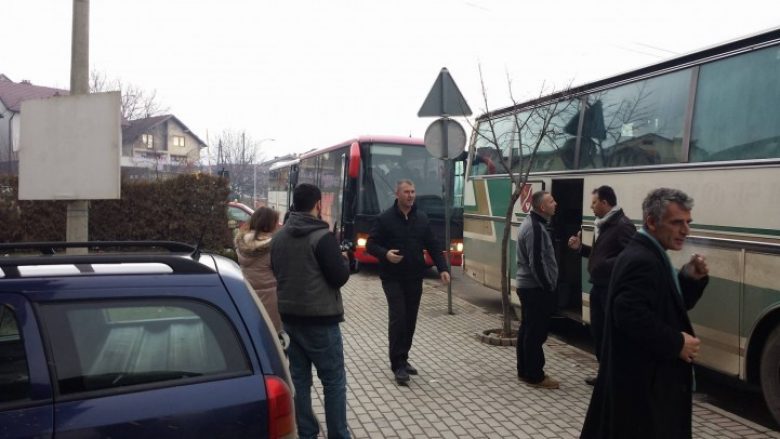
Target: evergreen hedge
[{"x": 183, "y": 208}]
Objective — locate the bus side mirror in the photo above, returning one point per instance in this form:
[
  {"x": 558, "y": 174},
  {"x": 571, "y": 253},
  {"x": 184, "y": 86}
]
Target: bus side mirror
[{"x": 354, "y": 160}]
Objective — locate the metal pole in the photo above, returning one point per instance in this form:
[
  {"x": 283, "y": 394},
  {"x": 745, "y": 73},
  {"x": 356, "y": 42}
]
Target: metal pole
[
  {"x": 447, "y": 213},
  {"x": 77, "y": 227}
]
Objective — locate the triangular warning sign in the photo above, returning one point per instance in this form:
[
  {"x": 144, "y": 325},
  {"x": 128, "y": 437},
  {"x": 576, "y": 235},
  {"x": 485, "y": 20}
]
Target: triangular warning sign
[{"x": 444, "y": 99}]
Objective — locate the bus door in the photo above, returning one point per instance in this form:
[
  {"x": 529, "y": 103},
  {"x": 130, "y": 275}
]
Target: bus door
[{"x": 565, "y": 223}]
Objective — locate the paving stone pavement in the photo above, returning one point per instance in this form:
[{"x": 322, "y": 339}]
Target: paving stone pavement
[{"x": 467, "y": 389}]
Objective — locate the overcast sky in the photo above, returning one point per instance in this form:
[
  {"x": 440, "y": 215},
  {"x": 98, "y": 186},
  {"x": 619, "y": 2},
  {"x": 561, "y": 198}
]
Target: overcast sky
[{"x": 310, "y": 73}]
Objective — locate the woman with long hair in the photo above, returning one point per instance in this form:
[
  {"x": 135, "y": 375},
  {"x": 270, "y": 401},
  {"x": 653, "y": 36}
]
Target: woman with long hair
[{"x": 253, "y": 247}]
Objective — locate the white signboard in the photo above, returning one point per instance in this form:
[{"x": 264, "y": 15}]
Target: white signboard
[{"x": 70, "y": 148}]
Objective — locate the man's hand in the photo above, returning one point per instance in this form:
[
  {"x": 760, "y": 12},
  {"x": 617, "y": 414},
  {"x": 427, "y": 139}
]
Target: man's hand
[
  {"x": 575, "y": 242},
  {"x": 696, "y": 267},
  {"x": 690, "y": 347},
  {"x": 393, "y": 256},
  {"x": 445, "y": 277}
]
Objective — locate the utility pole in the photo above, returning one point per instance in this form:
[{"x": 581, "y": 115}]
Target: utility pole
[{"x": 77, "y": 228}]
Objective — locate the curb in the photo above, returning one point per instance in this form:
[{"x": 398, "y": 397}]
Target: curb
[{"x": 491, "y": 337}]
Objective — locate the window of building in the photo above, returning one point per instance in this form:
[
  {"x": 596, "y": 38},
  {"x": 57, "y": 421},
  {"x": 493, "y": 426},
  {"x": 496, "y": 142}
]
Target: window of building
[
  {"x": 178, "y": 141},
  {"x": 104, "y": 345},
  {"x": 14, "y": 375},
  {"x": 148, "y": 140}
]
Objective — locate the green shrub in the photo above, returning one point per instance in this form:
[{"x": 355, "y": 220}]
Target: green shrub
[{"x": 186, "y": 208}]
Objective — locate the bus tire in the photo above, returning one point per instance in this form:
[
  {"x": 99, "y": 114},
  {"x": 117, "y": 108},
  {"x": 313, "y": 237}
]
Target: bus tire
[{"x": 770, "y": 373}]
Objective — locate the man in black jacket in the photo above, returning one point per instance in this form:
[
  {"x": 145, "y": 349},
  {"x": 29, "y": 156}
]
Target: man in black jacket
[
  {"x": 397, "y": 239},
  {"x": 612, "y": 233},
  {"x": 645, "y": 381},
  {"x": 310, "y": 269}
]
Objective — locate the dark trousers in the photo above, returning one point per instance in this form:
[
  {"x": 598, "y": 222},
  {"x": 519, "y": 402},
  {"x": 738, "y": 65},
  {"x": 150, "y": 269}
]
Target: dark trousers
[
  {"x": 598, "y": 311},
  {"x": 403, "y": 302},
  {"x": 536, "y": 309}
]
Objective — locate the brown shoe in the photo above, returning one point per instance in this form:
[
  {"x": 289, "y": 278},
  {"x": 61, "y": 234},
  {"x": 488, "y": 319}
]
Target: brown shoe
[{"x": 546, "y": 383}]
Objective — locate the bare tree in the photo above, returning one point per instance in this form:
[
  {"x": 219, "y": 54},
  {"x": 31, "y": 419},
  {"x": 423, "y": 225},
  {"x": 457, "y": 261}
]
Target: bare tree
[
  {"x": 515, "y": 147},
  {"x": 237, "y": 153},
  {"x": 137, "y": 103}
]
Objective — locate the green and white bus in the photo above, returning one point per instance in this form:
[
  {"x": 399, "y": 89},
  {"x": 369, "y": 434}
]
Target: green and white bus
[{"x": 707, "y": 123}]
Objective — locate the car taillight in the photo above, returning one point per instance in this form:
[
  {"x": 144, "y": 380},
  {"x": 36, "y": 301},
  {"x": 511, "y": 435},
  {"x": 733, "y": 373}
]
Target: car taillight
[{"x": 281, "y": 416}]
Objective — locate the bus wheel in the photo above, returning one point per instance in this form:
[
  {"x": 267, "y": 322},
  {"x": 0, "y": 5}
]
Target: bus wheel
[{"x": 770, "y": 373}]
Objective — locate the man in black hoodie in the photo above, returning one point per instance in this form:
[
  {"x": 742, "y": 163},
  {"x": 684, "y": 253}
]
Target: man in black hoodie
[
  {"x": 397, "y": 239},
  {"x": 309, "y": 269}
]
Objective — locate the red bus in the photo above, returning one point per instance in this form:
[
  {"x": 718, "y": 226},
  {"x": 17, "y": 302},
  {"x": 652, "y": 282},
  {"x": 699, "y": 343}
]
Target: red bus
[{"x": 358, "y": 177}]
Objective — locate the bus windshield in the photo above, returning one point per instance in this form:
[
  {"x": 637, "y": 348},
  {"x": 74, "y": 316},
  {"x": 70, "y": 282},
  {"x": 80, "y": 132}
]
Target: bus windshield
[{"x": 387, "y": 163}]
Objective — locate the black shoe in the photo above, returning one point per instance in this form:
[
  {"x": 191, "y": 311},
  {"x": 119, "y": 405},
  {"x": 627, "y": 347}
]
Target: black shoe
[
  {"x": 410, "y": 369},
  {"x": 401, "y": 376},
  {"x": 591, "y": 381}
]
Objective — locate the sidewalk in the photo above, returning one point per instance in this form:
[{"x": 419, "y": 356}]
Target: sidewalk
[{"x": 467, "y": 389}]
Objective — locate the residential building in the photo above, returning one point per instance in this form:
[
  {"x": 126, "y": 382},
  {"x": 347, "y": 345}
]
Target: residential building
[
  {"x": 151, "y": 147},
  {"x": 158, "y": 145},
  {"x": 12, "y": 94}
]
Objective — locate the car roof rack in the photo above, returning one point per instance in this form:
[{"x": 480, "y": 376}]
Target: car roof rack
[{"x": 180, "y": 257}]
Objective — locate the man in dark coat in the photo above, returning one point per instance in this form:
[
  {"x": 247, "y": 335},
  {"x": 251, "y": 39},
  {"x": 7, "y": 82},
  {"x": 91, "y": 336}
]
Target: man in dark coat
[
  {"x": 310, "y": 270},
  {"x": 612, "y": 233},
  {"x": 397, "y": 239},
  {"x": 645, "y": 380}
]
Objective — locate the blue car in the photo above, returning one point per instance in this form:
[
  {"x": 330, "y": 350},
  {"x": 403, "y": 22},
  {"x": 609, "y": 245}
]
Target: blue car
[{"x": 136, "y": 340}]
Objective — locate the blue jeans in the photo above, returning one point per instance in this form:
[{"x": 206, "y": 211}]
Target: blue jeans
[{"x": 320, "y": 345}]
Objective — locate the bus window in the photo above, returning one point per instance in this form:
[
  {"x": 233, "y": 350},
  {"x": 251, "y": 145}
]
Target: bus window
[
  {"x": 487, "y": 159},
  {"x": 642, "y": 123},
  {"x": 390, "y": 163},
  {"x": 736, "y": 112},
  {"x": 556, "y": 151}
]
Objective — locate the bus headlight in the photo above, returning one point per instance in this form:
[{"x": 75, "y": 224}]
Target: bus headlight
[
  {"x": 456, "y": 246},
  {"x": 361, "y": 242}
]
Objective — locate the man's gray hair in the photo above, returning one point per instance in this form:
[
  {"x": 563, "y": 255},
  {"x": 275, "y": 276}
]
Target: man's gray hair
[
  {"x": 402, "y": 181},
  {"x": 657, "y": 200}
]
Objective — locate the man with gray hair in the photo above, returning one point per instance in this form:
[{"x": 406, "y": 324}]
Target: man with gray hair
[
  {"x": 537, "y": 277},
  {"x": 645, "y": 382},
  {"x": 398, "y": 239}
]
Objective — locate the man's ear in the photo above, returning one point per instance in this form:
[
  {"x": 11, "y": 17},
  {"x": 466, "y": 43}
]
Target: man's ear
[{"x": 651, "y": 223}]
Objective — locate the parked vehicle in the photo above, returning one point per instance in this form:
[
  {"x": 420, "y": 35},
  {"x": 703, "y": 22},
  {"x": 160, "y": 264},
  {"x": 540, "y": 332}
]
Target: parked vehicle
[
  {"x": 162, "y": 341},
  {"x": 238, "y": 215}
]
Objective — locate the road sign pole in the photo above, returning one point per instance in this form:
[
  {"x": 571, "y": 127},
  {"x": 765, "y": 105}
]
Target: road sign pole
[
  {"x": 447, "y": 213},
  {"x": 445, "y": 100}
]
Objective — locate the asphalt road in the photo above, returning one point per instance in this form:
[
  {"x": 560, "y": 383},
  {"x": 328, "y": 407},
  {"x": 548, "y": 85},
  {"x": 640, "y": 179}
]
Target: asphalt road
[{"x": 723, "y": 392}]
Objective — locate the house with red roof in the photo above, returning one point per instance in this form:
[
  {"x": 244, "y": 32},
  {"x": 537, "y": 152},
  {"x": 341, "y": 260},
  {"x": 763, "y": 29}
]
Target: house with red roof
[{"x": 151, "y": 147}]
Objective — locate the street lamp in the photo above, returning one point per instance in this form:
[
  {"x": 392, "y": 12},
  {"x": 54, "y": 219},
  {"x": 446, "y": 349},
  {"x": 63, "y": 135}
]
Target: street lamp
[{"x": 254, "y": 172}]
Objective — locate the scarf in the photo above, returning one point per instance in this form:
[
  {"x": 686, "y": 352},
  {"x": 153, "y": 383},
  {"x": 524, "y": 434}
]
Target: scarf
[{"x": 598, "y": 222}]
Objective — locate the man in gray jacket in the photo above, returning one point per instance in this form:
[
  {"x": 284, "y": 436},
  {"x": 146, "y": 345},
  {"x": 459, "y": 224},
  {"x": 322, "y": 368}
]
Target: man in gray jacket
[
  {"x": 310, "y": 269},
  {"x": 537, "y": 277}
]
